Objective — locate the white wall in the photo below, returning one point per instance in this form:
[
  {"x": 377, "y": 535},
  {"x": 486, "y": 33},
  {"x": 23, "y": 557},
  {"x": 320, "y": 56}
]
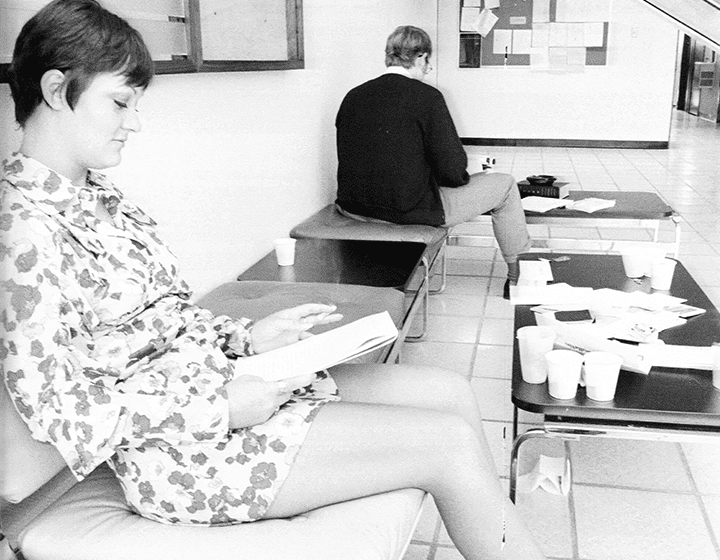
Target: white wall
[
  {"x": 227, "y": 162},
  {"x": 629, "y": 99}
]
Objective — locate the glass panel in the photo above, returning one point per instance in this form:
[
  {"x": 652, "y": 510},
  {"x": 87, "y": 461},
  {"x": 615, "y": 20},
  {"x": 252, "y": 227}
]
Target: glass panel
[
  {"x": 142, "y": 9},
  {"x": 163, "y": 38},
  {"x": 244, "y": 30}
]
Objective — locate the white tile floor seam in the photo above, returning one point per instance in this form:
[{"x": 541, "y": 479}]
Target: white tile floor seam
[{"x": 613, "y": 511}]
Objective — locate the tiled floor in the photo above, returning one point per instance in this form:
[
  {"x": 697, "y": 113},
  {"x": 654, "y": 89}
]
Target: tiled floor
[{"x": 629, "y": 500}]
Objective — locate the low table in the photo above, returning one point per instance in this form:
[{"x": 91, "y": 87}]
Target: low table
[
  {"x": 383, "y": 264},
  {"x": 667, "y": 404},
  {"x": 632, "y": 209}
]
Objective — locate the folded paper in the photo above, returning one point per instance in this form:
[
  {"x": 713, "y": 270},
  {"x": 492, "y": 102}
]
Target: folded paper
[{"x": 552, "y": 474}]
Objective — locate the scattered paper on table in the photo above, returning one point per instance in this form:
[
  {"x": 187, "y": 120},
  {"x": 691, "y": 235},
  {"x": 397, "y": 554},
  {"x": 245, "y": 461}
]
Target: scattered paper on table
[
  {"x": 552, "y": 474},
  {"x": 536, "y": 270},
  {"x": 549, "y": 294},
  {"x": 678, "y": 356}
]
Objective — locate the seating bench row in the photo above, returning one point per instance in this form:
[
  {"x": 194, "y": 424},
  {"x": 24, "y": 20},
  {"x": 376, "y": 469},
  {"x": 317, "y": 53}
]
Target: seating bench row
[{"x": 47, "y": 515}]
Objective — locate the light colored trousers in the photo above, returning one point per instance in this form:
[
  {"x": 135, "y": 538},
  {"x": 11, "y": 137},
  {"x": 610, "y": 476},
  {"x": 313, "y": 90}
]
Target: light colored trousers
[{"x": 498, "y": 194}]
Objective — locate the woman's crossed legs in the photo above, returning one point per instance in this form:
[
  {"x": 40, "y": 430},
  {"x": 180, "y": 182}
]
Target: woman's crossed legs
[{"x": 408, "y": 427}]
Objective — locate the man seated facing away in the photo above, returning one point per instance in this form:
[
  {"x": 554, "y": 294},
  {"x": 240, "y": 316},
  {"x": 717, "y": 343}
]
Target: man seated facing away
[{"x": 401, "y": 160}]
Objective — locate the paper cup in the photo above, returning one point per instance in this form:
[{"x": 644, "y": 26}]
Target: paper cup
[
  {"x": 661, "y": 275},
  {"x": 534, "y": 343},
  {"x": 563, "y": 369},
  {"x": 635, "y": 262},
  {"x": 716, "y": 366},
  {"x": 601, "y": 375},
  {"x": 285, "y": 251}
]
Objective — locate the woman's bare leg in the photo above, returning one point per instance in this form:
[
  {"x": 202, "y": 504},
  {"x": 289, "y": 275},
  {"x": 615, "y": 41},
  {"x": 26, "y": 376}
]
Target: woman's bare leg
[{"x": 362, "y": 448}]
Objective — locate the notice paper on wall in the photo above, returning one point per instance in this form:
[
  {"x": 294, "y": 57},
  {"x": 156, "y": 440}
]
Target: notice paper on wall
[{"x": 485, "y": 22}]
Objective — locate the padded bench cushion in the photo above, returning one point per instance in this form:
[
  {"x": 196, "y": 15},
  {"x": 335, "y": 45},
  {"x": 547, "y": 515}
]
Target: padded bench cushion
[
  {"x": 328, "y": 223},
  {"x": 92, "y": 522}
]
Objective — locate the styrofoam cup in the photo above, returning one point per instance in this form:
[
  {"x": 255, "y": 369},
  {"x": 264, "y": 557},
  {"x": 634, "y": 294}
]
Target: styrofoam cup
[
  {"x": 635, "y": 262},
  {"x": 563, "y": 369},
  {"x": 285, "y": 251},
  {"x": 534, "y": 343},
  {"x": 661, "y": 274},
  {"x": 601, "y": 375}
]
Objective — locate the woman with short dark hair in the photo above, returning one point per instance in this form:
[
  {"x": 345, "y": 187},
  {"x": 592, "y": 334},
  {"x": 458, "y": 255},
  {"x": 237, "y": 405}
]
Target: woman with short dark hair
[{"x": 106, "y": 359}]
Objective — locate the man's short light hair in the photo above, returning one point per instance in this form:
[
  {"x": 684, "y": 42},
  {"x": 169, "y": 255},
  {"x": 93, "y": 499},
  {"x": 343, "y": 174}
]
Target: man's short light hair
[{"x": 405, "y": 44}]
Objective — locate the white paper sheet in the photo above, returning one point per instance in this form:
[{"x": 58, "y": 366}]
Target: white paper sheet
[
  {"x": 538, "y": 58},
  {"x": 576, "y": 56},
  {"x": 468, "y": 18},
  {"x": 492, "y": 4},
  {"x": 541, "y": 11},
  {"x": 575, "y": 35},
  {"x": 674, "y": 355},
  {"x": 536, "y": 270},
  {"x": 594, "y": 34},
  {"x": 502, "y": 42},
  {"x": 558, "y": 35},
  {"x": 485, "y": 22},
  {"x": 590, "y": 205},
  {"x": 521, "y": 41},
  {"x": 540, "y": 35},
  {"x": 582, "y": 10},
  {"x": 552, "y": 474},
  {"x": 550, "y": 294},
  {"x": 542, "y": 203}
]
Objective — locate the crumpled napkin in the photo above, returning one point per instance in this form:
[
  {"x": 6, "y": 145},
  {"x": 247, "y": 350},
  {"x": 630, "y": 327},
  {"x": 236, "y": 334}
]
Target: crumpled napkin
[{"x": 552, "y": 474}]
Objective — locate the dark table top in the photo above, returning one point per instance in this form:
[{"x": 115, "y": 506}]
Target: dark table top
[
  {"x": 628, "y": 206},
  {"x": 385, "y": 264},
  {"x": 670, "y": 397}
]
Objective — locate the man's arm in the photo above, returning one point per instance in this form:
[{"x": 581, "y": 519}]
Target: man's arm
[{"x": 446, "y": 154}]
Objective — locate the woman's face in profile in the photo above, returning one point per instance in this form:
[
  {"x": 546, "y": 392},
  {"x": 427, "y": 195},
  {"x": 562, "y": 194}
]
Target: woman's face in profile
[{"x": 99, "y": 125}]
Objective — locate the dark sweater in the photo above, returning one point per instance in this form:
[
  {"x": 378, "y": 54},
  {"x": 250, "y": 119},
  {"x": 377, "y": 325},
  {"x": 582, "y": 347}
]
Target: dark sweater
[{"x": 396, "y": 143}]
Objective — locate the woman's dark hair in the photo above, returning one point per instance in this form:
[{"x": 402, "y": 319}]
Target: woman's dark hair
[
  {"x": 405, "y": 44},
  {"x": 81, "y": 39}
]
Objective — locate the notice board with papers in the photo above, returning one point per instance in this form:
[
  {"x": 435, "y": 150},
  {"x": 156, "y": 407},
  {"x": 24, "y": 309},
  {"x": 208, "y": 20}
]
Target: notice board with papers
[{"x": 552, "y": 35}]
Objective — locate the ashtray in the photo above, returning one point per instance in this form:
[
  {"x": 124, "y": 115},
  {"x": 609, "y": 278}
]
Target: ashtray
[{"x": 541, "y": 179}]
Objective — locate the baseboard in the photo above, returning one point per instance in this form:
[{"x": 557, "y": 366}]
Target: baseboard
[{"x": 565, "y": 143}]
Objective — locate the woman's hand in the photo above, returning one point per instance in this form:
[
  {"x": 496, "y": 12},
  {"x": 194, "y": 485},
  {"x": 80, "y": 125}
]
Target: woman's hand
[
  {"x": 290, "y": 325},
  {"x": 252, "y": 400}
]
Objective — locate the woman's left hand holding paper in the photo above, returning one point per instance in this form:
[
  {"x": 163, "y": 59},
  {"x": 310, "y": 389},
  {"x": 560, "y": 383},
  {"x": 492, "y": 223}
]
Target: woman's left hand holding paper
[{"x": 290, "y": 325}]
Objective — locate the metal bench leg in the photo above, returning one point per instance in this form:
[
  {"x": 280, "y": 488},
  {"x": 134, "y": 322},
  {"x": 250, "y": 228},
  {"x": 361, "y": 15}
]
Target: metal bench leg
[
  {"x": 517, "y": 442},
  {"x": 425, "y": 287},
  {"x": 443, "y": 271}
]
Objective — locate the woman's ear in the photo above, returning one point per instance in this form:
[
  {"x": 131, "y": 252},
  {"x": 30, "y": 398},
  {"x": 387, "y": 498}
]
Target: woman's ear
[{"x": 52, "y": 85}]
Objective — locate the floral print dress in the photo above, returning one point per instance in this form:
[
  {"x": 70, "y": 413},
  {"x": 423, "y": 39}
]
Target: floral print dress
[{"x": 105, "y": 358}]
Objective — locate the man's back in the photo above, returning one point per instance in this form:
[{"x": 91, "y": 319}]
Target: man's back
[{"x": 396, "y": 144}]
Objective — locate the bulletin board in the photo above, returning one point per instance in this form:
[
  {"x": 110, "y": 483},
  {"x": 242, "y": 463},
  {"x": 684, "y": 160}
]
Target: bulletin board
[{"x": 551, "y": 35}]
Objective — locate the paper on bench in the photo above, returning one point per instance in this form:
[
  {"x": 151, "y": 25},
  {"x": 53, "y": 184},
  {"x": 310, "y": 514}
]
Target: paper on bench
[
  {"x": 590, "y": 205},
  {"x": 542, "y": 204},
  {"x": 322, "y": 350}
]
